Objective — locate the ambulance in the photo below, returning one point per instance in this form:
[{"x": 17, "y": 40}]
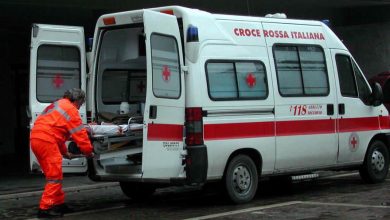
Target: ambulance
[{"x": 203, "y": 98}]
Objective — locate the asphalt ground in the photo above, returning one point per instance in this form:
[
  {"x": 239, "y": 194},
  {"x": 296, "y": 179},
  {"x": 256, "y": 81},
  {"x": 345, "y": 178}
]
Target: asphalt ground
[{"x": 19, "y": 186}]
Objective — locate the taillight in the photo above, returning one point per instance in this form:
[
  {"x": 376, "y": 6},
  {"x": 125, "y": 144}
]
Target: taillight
[{"x": 194, "y": 126}]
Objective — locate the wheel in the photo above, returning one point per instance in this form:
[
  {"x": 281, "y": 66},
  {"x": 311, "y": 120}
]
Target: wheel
[
  {"x": 137, "y": 191},
  {"x": 376, "y": 163},
  {"x": 241, "y": 179}
]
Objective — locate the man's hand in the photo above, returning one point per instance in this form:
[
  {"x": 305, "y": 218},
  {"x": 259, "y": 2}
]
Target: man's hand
[
  {"x": 68, "y": 156},
  {"x": 90, "y": 155}
]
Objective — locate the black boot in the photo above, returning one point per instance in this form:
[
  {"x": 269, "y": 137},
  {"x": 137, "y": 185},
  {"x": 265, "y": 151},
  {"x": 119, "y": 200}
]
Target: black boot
[
  {"x": 49, "y": 213},
  {"x": 63, "y": 208}
]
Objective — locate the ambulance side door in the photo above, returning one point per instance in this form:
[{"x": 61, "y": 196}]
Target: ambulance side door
[
  {"x": 165, "y": 98},
  {"x": 57, "y": 63},
  {"x": 304, "y": 98},
  {"x": 358, "y": 121}
]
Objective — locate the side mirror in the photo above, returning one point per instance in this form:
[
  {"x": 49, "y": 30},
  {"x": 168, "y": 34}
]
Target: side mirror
[{"x": 376, "y": 97}]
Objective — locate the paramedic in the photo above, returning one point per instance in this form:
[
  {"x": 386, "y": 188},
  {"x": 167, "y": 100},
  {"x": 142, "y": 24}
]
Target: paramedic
[{"x": 59, "y": 121}]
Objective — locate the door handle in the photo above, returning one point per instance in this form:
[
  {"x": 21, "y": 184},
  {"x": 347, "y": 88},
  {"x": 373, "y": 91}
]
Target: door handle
[
  {"x": 341, "y": 109},
  {"x": 152, "y": 112},
  {"x": 330, "y": 109}
]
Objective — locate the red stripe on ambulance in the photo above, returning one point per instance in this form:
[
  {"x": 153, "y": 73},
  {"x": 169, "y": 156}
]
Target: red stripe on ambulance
[
  {"x": 358, "y": 124},
  {"x": 384, "y": 122},
  {"x": 305, "y": 127},
  {"x": 165, "y": 132},
  {"x": 170, "y": 132},
  {"x": 239, "y": 130},
  {"x": 291, "y": 128}
]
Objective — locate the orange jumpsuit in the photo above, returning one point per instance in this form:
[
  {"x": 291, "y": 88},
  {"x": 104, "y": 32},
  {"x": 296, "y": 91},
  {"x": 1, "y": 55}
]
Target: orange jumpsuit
[{"x": 52, "y": 128}]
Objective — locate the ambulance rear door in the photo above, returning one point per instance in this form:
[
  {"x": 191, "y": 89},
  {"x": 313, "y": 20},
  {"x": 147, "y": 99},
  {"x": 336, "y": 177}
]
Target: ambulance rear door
[
  {"x": 57, "y": 63},
  {"x": 165, "y": 98}
]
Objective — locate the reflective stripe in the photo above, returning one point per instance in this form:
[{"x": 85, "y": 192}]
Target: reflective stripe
[
  {"x": 54, "y": 181},
  {"x": 63, "y": 113},
  {"x": 59, "y": 109},
  {"x": 74, "y": 130}
]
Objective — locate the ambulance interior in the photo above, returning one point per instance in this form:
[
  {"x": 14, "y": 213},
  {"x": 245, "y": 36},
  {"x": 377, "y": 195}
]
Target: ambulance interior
[{"x": 120, "y": 97}]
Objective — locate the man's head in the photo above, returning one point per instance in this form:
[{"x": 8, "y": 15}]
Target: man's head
[{"x": 76, "y": 96}]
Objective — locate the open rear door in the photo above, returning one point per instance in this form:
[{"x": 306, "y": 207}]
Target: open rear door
[
  {"x": 57, "y": 63},
  {"x": 165, "y": 98}
]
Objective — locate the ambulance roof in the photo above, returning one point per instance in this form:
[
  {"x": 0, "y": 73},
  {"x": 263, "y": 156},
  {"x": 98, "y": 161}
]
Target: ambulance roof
[{"x": 191, "y": 15}]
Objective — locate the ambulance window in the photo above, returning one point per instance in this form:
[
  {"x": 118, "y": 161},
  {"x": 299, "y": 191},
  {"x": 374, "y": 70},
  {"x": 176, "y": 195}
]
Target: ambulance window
[
  {"x": 315, "y": 79},
  {"x": 363, "y": 88},
  {"x": 58, "y": 69},
  {"x": 301, "y": 70},
  {"x": 288, "y": 70},
  {"x": 251, "y": 80},
  {"x": 123, "y": 85},
  {"x": 236, "y": 80},
  {"x": 165, "y": 66},
  {"x": 346, "y": 76},
  {"x": 222, "y": 80}
]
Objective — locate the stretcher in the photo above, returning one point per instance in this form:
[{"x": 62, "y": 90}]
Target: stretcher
[{"x": 109, "y": 137}]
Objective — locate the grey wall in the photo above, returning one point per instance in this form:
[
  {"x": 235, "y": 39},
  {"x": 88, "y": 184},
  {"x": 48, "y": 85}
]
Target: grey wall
[{"x": 369, "y": 45}]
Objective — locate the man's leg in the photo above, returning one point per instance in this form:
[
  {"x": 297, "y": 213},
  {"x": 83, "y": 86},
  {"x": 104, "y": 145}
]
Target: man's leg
[{"x": 50, "y": 159}]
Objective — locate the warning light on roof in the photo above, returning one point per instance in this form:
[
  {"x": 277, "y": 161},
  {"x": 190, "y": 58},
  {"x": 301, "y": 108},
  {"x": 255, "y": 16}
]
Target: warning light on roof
[
  {"x": 90, "y": 43},
  {"x": 109, "y": 21},
  {"x": 327, "y": 22},
  {"x": 169, "y": 12},
  {"x": 192, "y": 34}
]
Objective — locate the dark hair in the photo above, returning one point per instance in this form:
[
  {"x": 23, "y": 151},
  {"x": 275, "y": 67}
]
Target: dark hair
[{"x": 75, "y": 94}]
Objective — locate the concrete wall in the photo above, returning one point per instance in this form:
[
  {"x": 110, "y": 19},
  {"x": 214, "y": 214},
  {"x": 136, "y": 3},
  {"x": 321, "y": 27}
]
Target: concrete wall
[{"x": 369, "y": 45}]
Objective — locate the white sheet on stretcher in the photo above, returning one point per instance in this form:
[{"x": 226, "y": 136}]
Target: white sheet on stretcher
[{"x": 110, "y": 129}]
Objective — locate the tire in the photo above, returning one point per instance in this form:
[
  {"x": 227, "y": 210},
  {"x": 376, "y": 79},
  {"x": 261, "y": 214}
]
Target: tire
[
  {"x": 241, "y": 179},
  {"x": 376, "y": 163},
  {"x": 137, "y": 191}
]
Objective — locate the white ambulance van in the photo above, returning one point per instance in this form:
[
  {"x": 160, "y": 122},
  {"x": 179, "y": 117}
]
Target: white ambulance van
[{"x": 214, "y": 98}]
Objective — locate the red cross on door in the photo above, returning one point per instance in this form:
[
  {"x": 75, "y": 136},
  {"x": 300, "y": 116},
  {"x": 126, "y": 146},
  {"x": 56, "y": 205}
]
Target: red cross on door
[
  {"x": 58, "y": 81},
  {"x": 250, "y": 80},
  {"x": 353, "y": 142},
  {"x": 166, "y": 73}
]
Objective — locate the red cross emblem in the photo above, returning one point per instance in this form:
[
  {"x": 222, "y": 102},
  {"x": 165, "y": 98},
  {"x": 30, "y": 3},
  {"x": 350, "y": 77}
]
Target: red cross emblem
[
  {"x": 250, "y": 80},
  {"x": 353, "y": 142},
  {"x": 141, "y": 86},
  {"x": 166, "y": 73},
  {"x": 58, "y": 81}
]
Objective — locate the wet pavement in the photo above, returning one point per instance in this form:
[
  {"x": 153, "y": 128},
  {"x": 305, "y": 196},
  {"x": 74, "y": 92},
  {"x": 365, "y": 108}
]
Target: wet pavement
[{"x": 343, "y": 196}]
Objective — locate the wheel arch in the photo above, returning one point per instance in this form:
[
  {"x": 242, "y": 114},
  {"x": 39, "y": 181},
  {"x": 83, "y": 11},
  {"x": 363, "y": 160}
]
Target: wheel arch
[
  {"x": 375, "y": 168},
  {"x": 384, "y": 137},
  {"x": 250, "y": 152}
]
